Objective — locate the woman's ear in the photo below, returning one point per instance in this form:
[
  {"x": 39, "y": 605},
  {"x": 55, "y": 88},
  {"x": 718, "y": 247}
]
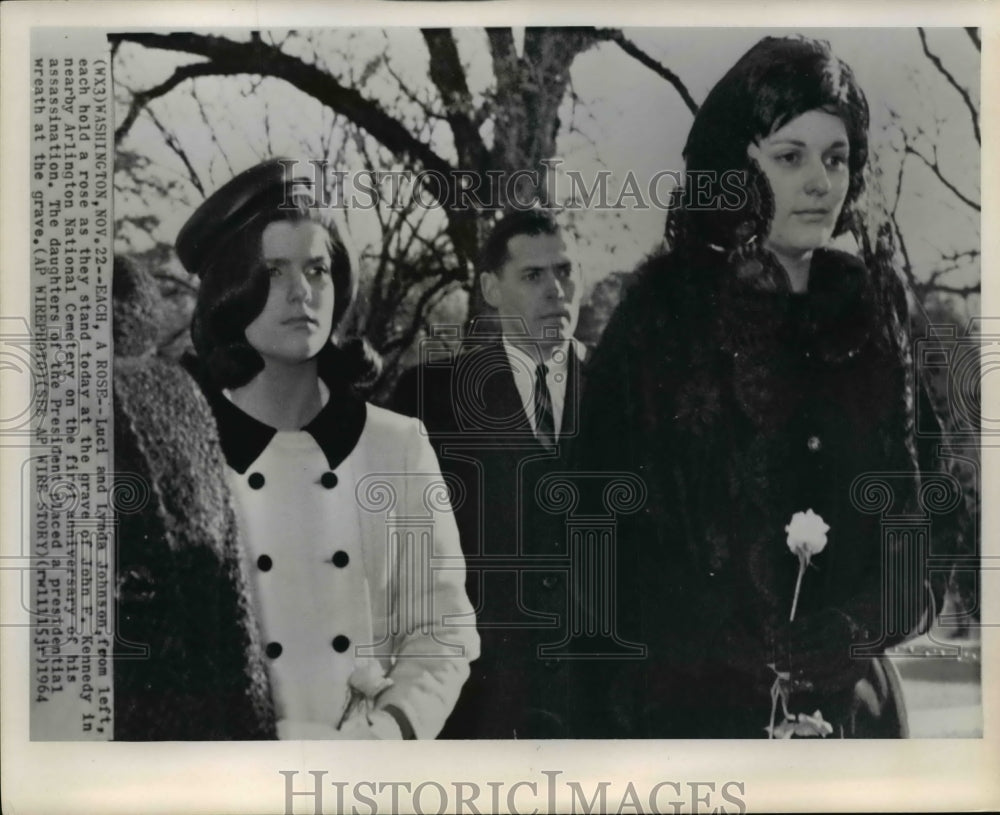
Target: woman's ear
[{"x": 753, "y": 151}]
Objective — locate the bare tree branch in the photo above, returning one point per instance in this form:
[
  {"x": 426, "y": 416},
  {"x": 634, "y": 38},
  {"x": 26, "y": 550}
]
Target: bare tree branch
[
  {"x": 936, "y": 169},
  {"x": 504, "y": 55},
  {"x": 954, "y": 257},
  {"x": 955, "y": 260},
  {"x": 416, "y": 237},
  {"x": 410, "y": 94},
  {"x": 268, "y": 144},
  {"x": 171, "y": 141},
  {"x": 899, "y": 186},
  {"x": 257, "y": 58},
  {"x": 942, "y": 271},
  {"x": 260, "y": 59},
  {"x": 429, "y": 298},
  {"x": 911, "y": 276},
  {"x": 616, "y": 36},
  {"x": 960, "y": 291},
  {"x": 506, "y": 70},
  {"x": 142, "y": 98},
  {"x": 211, "y": 130},
  {"x": 390, "y": 223},
  {"x": 898, "y": 232},
  {"x": 448, "y": 76},
  {"x": 973, "y": 112},
  {"x": 529, "y": 94}
]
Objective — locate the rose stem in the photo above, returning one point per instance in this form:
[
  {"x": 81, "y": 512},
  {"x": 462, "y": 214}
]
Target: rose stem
[
  {"x": 347, "y": 710},
  {"x": 798, "y": 585},
  {"x": 774, "y": 704}
]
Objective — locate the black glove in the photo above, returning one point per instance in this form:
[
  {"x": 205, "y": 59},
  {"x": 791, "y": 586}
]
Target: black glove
[{"x": 816, "y": 651}]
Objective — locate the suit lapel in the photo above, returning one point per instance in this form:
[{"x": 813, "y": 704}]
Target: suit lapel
[
  {"x": 575, "y": 375},
  {"x": 503, "y": 401}
]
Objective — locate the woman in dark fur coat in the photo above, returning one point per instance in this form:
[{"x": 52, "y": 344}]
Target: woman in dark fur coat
[{"x": 757, "y": 375}]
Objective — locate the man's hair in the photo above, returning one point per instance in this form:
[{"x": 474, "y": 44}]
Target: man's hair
[{"x": 523, "y": 222}]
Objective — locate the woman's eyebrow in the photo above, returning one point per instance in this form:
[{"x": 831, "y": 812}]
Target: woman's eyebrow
[
  {"x": 278, "y": 259},
  {"x": 799, "y": 143}
]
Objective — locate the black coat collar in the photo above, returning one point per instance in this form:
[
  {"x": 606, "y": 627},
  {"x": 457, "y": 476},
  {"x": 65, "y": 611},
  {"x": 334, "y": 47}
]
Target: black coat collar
[{"x": 336, "y": 428}]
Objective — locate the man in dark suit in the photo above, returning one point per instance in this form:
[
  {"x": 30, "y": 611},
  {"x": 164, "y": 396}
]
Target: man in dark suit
[{"x": 499, "y": 414}]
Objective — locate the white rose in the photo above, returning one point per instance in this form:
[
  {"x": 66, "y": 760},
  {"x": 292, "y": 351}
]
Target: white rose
[
  {"x": 365, "y": 683},
  {"x": 369, "y": 679},
  {"x": 807, "y": 534}
]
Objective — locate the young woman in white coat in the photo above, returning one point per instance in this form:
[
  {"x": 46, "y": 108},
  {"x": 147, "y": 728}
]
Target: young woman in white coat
[{"x": 355, "y": 572}]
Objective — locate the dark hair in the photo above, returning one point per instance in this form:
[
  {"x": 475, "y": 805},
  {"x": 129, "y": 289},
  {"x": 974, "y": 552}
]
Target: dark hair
[
  {"x": 777, "y": 80},
  {"x": 522, "y": 222},
  {"x": 234, "y": 289}
]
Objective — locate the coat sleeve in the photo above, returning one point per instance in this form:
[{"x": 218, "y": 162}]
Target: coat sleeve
[
  {"x": 435, "y": 628},
  {"x": 820, "y": 645}
]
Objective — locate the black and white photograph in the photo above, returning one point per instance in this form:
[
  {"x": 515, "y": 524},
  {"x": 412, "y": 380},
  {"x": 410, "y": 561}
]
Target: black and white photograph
[{"x": 583, "y": 393}]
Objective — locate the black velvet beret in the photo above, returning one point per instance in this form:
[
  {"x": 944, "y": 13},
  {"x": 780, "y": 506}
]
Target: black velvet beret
[{"x": 266, "y": 186}]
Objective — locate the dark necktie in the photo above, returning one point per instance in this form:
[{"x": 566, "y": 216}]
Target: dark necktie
[{"x": 545, "y": 426}]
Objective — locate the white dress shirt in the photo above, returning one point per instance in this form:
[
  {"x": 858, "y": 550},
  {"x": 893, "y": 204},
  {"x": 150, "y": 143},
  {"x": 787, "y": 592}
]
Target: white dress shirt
[{"x": 523, "y": 367}]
